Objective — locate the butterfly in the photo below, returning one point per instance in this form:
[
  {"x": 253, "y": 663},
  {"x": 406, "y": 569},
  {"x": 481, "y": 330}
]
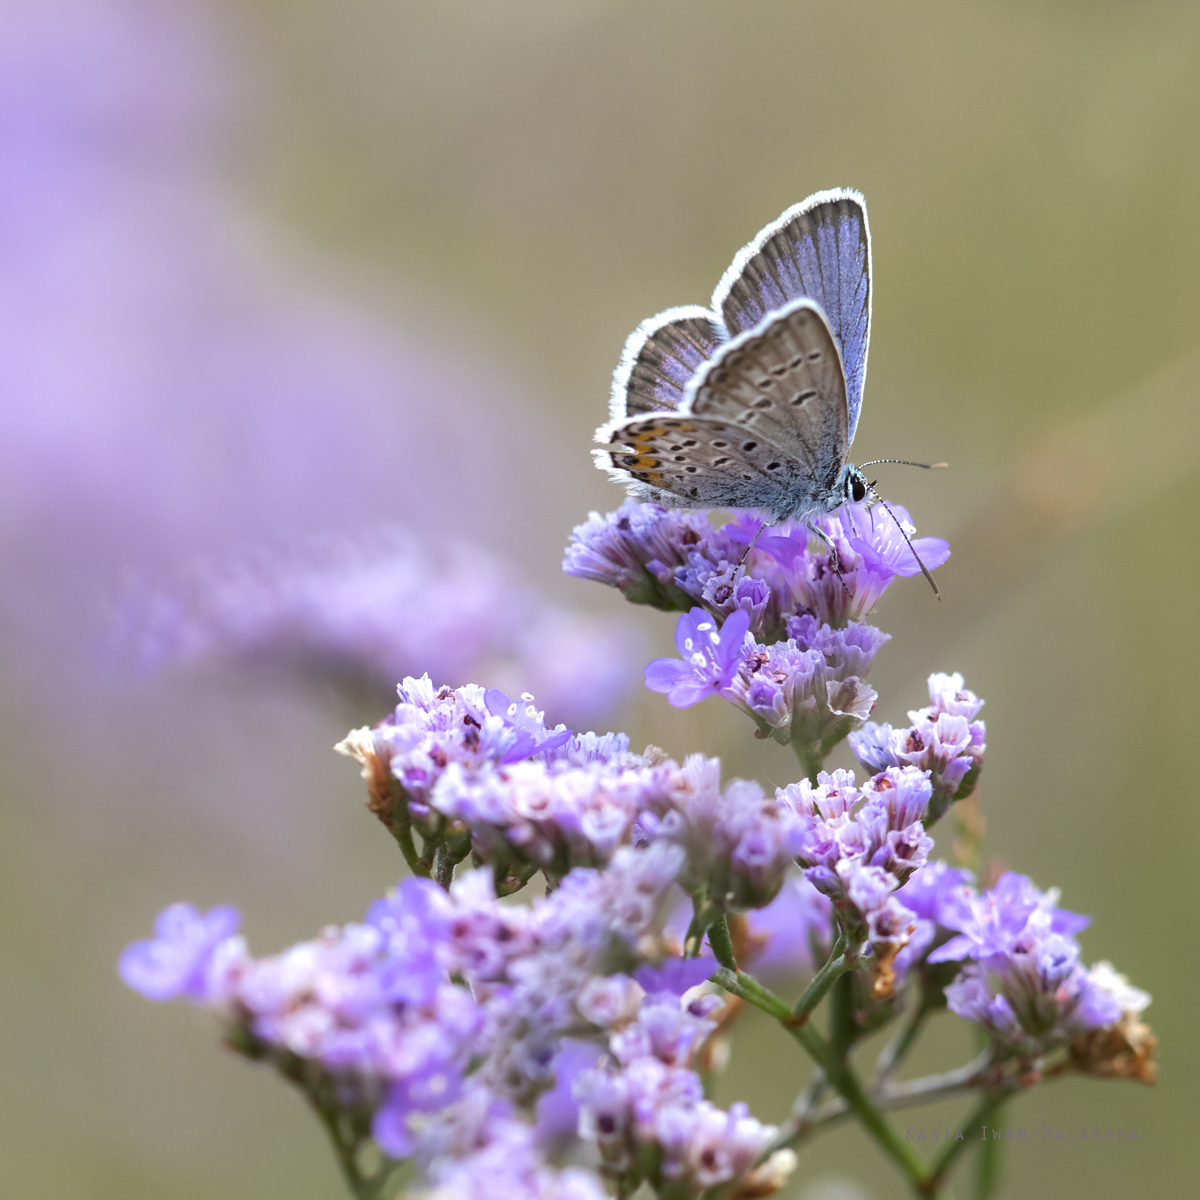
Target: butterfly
[{"x": 753, "y": 403}]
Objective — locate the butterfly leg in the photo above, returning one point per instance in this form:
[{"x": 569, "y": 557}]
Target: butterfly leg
[
  {"x": 835, "y": 564},
  {"x": 741, "y": 561}
]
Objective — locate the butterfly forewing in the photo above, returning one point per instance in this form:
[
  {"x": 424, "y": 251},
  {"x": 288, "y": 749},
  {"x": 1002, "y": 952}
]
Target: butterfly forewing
[
  {"x": 820, "y": 248},
  {"x": 661, "y": 355}
]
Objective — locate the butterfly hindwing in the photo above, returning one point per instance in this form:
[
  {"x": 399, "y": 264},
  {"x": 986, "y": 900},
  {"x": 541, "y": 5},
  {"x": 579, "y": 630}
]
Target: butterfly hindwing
[
  {"x": 820, "y": 248},
  {"x": 661, "y": 355},
  {"x": 696, "y": 462},
  {"x": 783, "y": 381}
]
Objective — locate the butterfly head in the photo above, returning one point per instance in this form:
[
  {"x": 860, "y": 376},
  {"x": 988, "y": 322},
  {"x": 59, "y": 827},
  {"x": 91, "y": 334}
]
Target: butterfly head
[{"x": 854, "y": 485}]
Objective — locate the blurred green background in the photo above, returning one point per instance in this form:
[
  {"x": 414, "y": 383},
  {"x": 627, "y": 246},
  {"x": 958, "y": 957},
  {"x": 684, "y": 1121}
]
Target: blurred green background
[{"x": 521, "y": 184}]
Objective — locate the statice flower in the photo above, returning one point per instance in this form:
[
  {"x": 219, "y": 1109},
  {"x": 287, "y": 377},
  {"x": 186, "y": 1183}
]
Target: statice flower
[
  {"x": 1035, "y": 998},
  {"x": 468, "y": 730},
  {"x": 944, "y": 739},
  {"x": 1025, "y": 984},
  {"x": 556, "y": 972},
  {"x": 858, "y": 847},
  {"x": 674, "y": 559},
  {"x": 868, "y": 553},
  {"x": 674, "y": 976},
  {"x": 809, "y": 690},
  {"x": 1125, "y": 1049},
  {"x": 997, "y": 921},
  {"x": 192, "y": 956},
  {"x": 371, "y": 1004},
  {"x": 926, "y": 894},
  {"x": 735, "y": 840},
  {"x": 644, "y": 1109},
  {"x": 379, "y": 1008},
  {"x": 481, "y": 1149},
  {"x": 637, "y": 549},
  {"x": 710, "y": 657}
]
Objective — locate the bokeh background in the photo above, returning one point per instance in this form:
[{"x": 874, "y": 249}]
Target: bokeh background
[{"x": 282, "y": 269}]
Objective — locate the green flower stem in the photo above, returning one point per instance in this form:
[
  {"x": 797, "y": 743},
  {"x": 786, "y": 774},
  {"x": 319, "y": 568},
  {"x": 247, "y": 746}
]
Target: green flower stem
[
  {"x": 940, "y": 1167},
  {"x": 837, "y": 1071},
  {"x": 345, "y": 1149},
  {"x": 812, "y": 761},
  {"x": 842, "y": 1026},
  {"x": 701, "y": 916},
  {"x": 935, "y": 1087},
  {"x": 988, "y": 1160},
  {"x": 837, "y": 963},
  {"x": 402, "y": 832},
  {"x": 449, "y": 854},
  {"x": 721, "y": 942}
]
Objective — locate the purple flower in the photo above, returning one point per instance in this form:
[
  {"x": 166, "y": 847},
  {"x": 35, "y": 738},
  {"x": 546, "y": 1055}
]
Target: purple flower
[
  {"x": 858, "y": 847},
  {"x": 1034, "y": 998},
  {"x": 660, "y": 557},
  {"x": 467, "y": 734},
  {"x": 866, "y": 564},
  {"x": 809, "y": 689},
  {"x": 645, "y": 1110},
  {"x": 944, "y": 740},
  {"x": 557, "y": 1109},
  {"x": 663, "y": 1030},
  {"x": 947, "y": 694},
  {"x": 429, "y": 1090},
  {"x": 637, "y": 549},
  {"x": 736, "y": 840},
  {"x": 709, "y": 658},
  {"x": 877, "y": 536},
  {"x": 928, "y": 890},
  {"x": 925, "y": 893},
  {"x": 1023, "y": 980},
  {"x": 191, "y": 955},
  {"x": 481, "y": 1149},
  {"x": 674, "y": 976},
  {"x": 996, "y": 921}
]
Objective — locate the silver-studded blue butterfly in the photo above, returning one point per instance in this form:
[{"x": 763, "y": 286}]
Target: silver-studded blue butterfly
[{"x": 754, "y": 402}]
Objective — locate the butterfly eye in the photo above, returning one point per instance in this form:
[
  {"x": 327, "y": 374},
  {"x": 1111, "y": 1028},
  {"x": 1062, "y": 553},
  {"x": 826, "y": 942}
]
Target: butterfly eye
[{"x": 858, "y": 490}]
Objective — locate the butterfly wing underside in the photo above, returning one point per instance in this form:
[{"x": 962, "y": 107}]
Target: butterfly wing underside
[
  {"x": 661, "y": 355},
  {"x": 762, "y": 425},
  {"x": 820, "y": 248}
]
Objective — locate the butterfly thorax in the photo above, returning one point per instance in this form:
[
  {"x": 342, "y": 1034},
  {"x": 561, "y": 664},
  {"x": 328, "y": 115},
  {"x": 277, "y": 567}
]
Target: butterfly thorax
[{"x": 849, "y": 486}]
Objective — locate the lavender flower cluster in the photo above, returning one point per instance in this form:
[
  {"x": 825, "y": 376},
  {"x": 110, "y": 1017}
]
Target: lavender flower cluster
[
  {"x": 467, "y": 768},
  {"x": 773, "y": 625},
  {"x": 944, "y": 739},
  {"x": 490, "y": 1042},
  {"x": 644, "y": 1108},
  {"x": 441, "y": 1018},
  {"x": 1022, "y": 979},
  {"x": 675, "y": 560},
  {"x": 858, "y": 848}
]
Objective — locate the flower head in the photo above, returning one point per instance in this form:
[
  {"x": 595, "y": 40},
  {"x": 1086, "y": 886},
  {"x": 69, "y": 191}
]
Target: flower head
[
  {"x": 944, "y": 740},
  {"x": 192, "y": 955},
  {"x": 709, "y": 658}
]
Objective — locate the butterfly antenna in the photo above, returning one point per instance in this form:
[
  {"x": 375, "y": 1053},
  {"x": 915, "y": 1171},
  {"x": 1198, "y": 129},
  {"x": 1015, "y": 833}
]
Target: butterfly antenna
[
  {"x": 905, "y": 463},
  {"x": 904, "y": 535},
  {"x": 751, "y": 545}
]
